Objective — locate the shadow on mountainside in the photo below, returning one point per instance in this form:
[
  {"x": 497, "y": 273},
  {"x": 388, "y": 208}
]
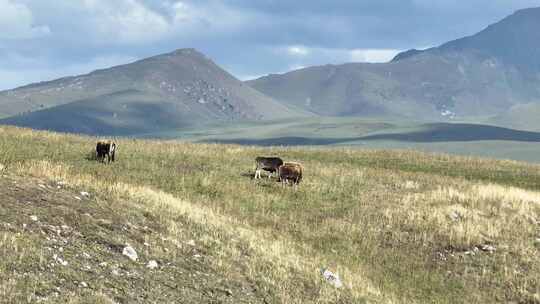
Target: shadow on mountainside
[
  {"x": 427, "y": 133},
  {"x": 442, "y": 132}
]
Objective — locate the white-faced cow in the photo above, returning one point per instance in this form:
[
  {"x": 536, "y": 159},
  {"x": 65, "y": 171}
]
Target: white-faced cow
[
  {"x": 292, "y": 172},
  {"x": 270, "y": 164},
  {"x": 105, "y": 149}
]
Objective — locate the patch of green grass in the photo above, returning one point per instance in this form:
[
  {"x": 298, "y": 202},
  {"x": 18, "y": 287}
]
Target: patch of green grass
[{"x": 382, "y": 219}]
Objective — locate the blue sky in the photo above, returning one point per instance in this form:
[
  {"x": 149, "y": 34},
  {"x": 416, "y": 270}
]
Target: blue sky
[{"x": 42, "y": 40}]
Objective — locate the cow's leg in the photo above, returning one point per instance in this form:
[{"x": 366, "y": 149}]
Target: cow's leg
[{"x": 257, "y": 173}]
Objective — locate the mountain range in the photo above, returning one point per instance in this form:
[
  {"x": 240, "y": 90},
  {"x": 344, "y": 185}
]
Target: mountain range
[
  {"x": 481, "y": 75},
  {"x": 492, "y": 76},
  {"x": 174, "y": 90}
]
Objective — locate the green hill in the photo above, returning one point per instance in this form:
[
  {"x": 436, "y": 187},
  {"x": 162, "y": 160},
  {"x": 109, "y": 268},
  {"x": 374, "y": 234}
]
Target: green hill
[
  {"x": 180, "y": 88},
  {"x": 398, "y": 226}
]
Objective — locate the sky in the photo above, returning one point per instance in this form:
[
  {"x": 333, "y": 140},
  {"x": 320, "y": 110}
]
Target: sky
[{"x": 43, "y": 40}]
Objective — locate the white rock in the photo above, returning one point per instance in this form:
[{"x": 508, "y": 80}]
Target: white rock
[
  {"x": 332, "y": 278},
  {"x": 59, "y": 260},
  {"x": 83, "y": 285},
  {"x": 455, "y": 216},
  {"x": 488, "y": 248},
  {"x": 130, "y": 253},
  {"x": 77, "y": 198},
  {"x": 152, "y": 265},
  {"x": 84, "y": 193},
  {"x": 34, "y": 218}
]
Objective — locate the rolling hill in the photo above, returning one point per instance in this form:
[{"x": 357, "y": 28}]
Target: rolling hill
[
  {"x": 481, "y": 75},
  {"x": 397, "y": 226},
  {"x": 167, "y": 91}
]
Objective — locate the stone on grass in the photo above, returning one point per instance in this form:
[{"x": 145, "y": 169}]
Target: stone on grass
[
  {"x": 455, "y": 216},
  {"x": 152, "y": 264},
  {"x": 34, "y": 218},
  {"x": 332, "y": 278},
  {"x": 130, "y": 253},
  {"x": 488, "y": 248}
]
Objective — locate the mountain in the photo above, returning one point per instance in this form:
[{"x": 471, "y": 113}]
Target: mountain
[
  {"x": 182, "y": 88},
  {"x": 482, "y": 75},
  {"x": 521, "y": 116}
]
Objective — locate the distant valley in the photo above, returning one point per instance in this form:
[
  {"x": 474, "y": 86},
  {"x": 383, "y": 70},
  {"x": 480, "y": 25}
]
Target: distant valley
[{"x": 471, "y": 93}]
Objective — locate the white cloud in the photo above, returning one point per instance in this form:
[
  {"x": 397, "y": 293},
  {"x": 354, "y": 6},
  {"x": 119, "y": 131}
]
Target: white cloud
[
  {"x": 125, "y": 21},
  {"x": 298, "y": 51},
  {"x": 309, "y": 55},
  {"x": 14, "y": 77},
  {"x": 372, "y": 55},
  {"x": 208, "y": 18},
  {"x": 16, "y": 22}
]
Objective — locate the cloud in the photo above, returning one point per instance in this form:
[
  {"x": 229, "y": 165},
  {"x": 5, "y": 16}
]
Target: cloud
[
  {"x": 16, "y": 22},
  {"x": 244, "y": 36},
  {"x": 297, "y": 51},
  {"x": 29, "y": 70},
  {"x": 125, "y": 21},
  {"x": 303, "y": 55},
  {"x": 373, "y": 55}
]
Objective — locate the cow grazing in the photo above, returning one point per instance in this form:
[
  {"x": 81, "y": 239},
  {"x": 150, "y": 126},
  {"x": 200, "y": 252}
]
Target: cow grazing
[
  {"x": 270, "y": 164},
  {"x": 290, "y": 172},
  {"x": 105, "y": 149}
]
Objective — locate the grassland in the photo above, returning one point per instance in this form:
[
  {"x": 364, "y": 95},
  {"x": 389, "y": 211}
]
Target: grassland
[
  {"x": 398, "y": 226},
  {"x": 459, "y": 138}
]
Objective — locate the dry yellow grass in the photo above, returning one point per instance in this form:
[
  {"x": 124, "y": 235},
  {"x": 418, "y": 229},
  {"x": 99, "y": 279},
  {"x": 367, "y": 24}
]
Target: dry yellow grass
[{"x": 399, "y": 226}]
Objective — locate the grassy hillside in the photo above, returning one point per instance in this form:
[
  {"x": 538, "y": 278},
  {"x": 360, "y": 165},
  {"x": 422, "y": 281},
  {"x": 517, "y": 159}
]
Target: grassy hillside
[
  {"x": 523, "y": 117},
  {"x": 399, "y": 227},
  {"x": 380, "y": 133},
  {"x": 166, "y": 91}
]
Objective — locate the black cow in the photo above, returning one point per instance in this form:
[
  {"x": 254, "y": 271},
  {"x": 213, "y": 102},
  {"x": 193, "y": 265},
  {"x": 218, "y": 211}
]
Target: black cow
[
  {"x": 270, "y": 164},
  {"x": 105, "y": 149}
]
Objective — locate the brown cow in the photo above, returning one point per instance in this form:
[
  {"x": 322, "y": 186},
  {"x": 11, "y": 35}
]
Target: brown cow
[
  {"x": 290, "y": 172},
  {"x": 105, "y": 149},
  {"x": 270, "y": 164}
]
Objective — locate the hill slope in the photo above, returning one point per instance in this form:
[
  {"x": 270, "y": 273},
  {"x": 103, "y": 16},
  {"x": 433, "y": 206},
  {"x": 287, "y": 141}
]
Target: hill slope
[
  {"x": 171, "y": 90},
  {"x": 481, "y": 75},
  {"x": 398, "y": 226}
]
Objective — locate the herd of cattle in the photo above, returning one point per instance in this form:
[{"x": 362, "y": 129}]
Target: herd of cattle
[{"x": 285, "y": 171}]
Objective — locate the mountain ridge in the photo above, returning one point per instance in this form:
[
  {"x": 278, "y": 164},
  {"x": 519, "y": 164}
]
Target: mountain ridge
[
  {"x": 180, "y": 88},
  {"x": 484, "y": 74}
]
